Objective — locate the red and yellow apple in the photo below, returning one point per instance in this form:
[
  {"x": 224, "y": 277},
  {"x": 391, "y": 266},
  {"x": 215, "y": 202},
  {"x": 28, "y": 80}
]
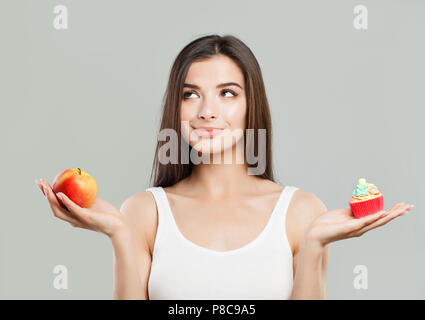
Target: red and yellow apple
[{"x": 78, "y": 185}]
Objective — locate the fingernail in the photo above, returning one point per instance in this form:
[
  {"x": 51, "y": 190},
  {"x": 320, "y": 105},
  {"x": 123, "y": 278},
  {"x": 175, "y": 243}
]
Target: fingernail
[{"x": 59, "y": 195}]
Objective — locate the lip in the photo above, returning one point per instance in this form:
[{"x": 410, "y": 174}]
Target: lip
[{"x": 207, "y": 132}]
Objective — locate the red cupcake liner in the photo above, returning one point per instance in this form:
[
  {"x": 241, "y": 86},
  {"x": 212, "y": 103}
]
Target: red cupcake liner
[{"x": 364, "y": 208}]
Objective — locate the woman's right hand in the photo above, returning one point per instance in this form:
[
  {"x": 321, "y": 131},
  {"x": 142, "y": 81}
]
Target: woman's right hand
[{"x": 101, "y": 216}]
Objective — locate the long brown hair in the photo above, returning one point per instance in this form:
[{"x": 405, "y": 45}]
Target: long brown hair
[{"x": 257, "y": 116}]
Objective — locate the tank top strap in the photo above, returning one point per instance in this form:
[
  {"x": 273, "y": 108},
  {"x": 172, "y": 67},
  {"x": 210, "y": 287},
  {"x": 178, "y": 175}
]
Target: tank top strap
[
  {"x": 157, "y": 195},
  {"x": 285, "y": 200},
  {"x": 278, "y": 224},
  {"x": 165, "y": 222}
]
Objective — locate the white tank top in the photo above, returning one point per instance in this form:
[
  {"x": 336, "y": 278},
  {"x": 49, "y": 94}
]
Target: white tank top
[{"x": 183, "y": 270}]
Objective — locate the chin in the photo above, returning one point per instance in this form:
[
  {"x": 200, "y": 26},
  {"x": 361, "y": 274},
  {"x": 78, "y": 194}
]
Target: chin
[{"x": 214, "y": 152}]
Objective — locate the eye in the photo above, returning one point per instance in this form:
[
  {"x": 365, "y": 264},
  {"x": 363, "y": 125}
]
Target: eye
[
  {"x": 185, "y": 94},
  {"x": 233, "y": 93}
]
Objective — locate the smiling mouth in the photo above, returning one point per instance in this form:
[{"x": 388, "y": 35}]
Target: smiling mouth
[{"x": 207, "y": 133}]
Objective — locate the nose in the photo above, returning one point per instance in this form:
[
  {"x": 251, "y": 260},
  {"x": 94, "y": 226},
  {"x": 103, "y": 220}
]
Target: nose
[{"x": 209, "y": 109}]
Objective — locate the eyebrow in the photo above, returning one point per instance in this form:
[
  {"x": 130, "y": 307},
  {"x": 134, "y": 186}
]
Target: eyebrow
[{"x": 226, "y": 84}]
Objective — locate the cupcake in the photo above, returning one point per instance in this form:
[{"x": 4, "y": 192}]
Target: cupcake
[{"x": 366, "y": 199}]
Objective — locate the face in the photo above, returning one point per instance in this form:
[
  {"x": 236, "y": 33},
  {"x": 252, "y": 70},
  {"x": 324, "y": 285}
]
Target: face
[{"x": 213, "y": 96}]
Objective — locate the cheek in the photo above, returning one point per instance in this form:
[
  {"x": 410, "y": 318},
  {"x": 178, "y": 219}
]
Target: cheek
[
  {"x": 236, "y": 116},
  {"x": 187, "y": 113}
]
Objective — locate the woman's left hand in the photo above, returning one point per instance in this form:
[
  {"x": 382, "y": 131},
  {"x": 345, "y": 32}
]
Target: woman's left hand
[{"x": 341, "y": 224}]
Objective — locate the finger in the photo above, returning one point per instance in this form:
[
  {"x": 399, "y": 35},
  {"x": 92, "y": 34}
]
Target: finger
[
  {"x": 45, "y": 187},
  {"x": 396, "y": 206},
  {"x": 400, "y": 211},
  {"x": 48, "y": 192},
  {"x": 56, "y": 207},
  {"x": 77, "y": 224},
  {"x": 78, "y": 211},
  {"x": 354, "y": 225},
  {"x": 72, "y": 221},
  {"x": 395, "y": 210},
  {"x": 51, "y": 197},
  {"x": 40, "y": 185}
]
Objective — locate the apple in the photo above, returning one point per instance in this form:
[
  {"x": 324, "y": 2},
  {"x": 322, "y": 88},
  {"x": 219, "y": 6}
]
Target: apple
[{"x": 78, "y": 185}]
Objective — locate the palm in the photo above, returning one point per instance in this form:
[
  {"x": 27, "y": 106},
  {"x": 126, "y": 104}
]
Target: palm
[
  {"x": 336, "y": 216},
  {"x": 100, "y": 205},
  {"x": 101, "y": 216},
  {"x": 341, "y": 224}
]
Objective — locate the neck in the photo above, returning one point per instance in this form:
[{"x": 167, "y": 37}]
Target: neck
[{"x": 223, "y": 180}]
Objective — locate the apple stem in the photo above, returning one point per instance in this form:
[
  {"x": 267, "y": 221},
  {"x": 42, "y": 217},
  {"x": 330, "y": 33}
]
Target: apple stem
[{"x": 79, "y": 171}]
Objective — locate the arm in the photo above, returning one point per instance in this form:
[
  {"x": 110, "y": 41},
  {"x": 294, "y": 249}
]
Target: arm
[
  {"x": 310, "y": 259},
  {"x": 127, "y": 282},
  {"x": 317, "y": 228},
  {"x": 310, "y": 276},
  {"x": 128, "y": 228},
  {"x": 132, "y": 257}
]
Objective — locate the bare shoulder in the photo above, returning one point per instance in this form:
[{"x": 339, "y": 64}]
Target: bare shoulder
[
  {"x": 140, "y": 213},
  {"x": 143, "y": 202},
  {"x": 304, "y": 207}
]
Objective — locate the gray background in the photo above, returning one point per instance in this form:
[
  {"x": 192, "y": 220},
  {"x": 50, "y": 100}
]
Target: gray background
[{"x": 345, "y": 104}]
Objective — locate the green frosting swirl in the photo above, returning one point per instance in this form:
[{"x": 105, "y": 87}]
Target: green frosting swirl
[{"x": 361, "y": 188}]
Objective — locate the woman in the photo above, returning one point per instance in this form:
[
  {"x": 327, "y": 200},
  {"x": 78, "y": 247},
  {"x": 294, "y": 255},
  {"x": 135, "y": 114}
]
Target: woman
[{"x": 214, "y": 230}]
